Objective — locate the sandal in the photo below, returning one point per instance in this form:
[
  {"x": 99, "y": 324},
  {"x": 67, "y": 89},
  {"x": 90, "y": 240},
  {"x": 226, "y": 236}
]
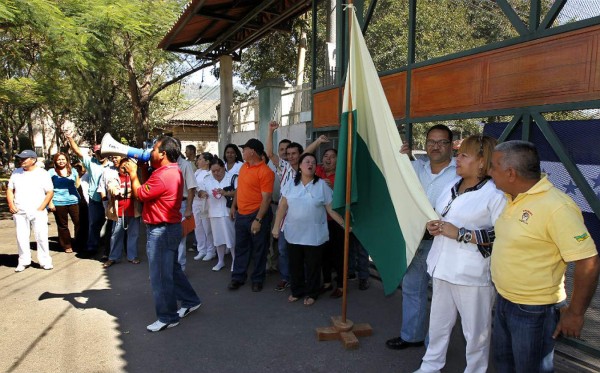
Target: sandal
[
  {"x": 336, "y": 293},
  {"x": 308, "y": 301},
  {"x": 108, "y": 263},
  {"x": 68, "y": 250},
  {"x": 134, "y": 261},
  {"x": 292, "y": 299}
]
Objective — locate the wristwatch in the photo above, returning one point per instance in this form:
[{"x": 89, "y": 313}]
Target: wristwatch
[
  {"x": 467, "y": 237},
  {"x": 461, "y": 234},
  {"x": 258, "y": 220}
]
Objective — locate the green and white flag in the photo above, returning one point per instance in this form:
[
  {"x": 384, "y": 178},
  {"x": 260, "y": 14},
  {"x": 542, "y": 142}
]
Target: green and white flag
[{"x": 389, "y": 206}]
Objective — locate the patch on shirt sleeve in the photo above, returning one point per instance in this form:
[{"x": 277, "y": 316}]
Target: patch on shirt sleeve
[
  {"x": 582, "y": 237},
  {"x": 147, "y": 187}
]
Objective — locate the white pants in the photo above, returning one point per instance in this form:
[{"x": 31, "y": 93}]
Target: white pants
[
  {"x": 203, "y": 231},
  {"x": 23, "y": 223},
  {"x": 474, "y": 304}
]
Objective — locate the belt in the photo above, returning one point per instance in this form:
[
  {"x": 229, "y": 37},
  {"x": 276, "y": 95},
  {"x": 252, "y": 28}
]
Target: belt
[{"x": 161, "y": 224}]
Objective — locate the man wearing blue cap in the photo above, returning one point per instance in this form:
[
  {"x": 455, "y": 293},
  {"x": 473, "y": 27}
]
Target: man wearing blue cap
[{"x": 29, "y": 191}]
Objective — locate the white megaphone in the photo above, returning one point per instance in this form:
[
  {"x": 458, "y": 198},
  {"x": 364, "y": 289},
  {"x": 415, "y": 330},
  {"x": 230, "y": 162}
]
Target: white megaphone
[{"x": 110, "y": 146}]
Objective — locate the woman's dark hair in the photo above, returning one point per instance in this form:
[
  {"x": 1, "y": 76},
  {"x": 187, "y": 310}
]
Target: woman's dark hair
[
  {"x": 216, "y": 160},
  {"x": 238, "y": 153},
  {"x": 68, "y": 166},
  {"x": 299, "y": 173},
  {"x": 206, "y": 156}
]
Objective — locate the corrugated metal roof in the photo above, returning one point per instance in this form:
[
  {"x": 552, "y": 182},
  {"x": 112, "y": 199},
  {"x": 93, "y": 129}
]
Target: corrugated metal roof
[{"x": 203, "y": 113}]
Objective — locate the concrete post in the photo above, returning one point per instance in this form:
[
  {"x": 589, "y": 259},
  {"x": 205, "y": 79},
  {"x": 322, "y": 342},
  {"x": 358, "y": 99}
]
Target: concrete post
[
  {"x": 226, "y": 87},
  {"x": 269, "y": 105}
]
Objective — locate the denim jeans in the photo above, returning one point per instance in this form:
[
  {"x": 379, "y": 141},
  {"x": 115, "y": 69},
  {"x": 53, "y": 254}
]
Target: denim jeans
[
  {"x": 181, "y": 252},
  {"x": 130, "y": 226},
  {"x": 414, "y": 296},
  {"x": 169, "y": 283},
  {"x": 522, "y": 336},
  {"x": 283, "y": 261},
  {"x": 251, "y": 246},
  {"x": 358, "y": 259},
  {"x": 96, "y": 221}
]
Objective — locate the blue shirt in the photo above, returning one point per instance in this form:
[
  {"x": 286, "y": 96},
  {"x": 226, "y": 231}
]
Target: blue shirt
[
  {"x": 95, "y": 170},
  {"x": 434, "y": 184},
  {"x": 65, "y": 191}
]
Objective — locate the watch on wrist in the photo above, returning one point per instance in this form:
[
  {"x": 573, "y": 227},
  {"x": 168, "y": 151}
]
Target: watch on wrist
[
  {"x": 467, "y": 237},
  {"x": 258, "y": 220},
  {"x": 461, "y": 234}
]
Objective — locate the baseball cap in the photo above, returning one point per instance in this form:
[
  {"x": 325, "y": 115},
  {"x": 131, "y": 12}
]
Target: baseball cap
[
  {"x": 255, "y": 145},
  {"x": 27, "y": 154}
]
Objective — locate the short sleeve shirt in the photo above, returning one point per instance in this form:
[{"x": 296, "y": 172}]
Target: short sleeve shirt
[
  {"x": 536, "y": 235},
  {"x": 434, "y": 184},
  {"x": 306, "y": 219},
  {"x": 189, "y": 179},
  {"x": 217, "y": 203},
  {"x": 252, "y": 182},
  {"x": 162, "y": 195},
  {"x": 65, "y": 191},
  {"x": 30, "y": 188}
]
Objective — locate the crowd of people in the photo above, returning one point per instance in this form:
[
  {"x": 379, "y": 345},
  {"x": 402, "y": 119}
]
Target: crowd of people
[{"x": 504, "y": 235}]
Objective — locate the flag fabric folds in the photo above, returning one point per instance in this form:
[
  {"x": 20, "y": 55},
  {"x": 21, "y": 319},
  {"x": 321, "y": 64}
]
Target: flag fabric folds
[{"x": 389, "y": 207}]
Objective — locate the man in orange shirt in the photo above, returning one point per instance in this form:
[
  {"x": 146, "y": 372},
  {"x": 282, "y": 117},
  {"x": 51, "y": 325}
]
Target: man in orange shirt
[{"x": 252, "y": 212}]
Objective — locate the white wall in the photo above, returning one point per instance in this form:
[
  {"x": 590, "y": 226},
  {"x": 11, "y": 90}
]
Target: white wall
[{"x": 294, "y": 133}]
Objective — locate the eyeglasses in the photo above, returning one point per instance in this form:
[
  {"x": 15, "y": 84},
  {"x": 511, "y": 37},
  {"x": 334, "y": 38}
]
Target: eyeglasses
[{"x": 440, "y": 143}]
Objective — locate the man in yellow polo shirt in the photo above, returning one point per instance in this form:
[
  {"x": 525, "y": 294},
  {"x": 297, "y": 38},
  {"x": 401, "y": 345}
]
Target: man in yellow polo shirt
[
  {"x": 251, "y": 208},
  {"x": 538, "y": 233}
]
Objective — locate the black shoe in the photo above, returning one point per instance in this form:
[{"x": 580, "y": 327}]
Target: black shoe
[
  {"x": 363, "y": 284},
  {"x": 352, "y": 276},
  {"x": 257, "y": 286},
  {"x": 234, "y": 285},
  {"x": 399, "y": 344}
]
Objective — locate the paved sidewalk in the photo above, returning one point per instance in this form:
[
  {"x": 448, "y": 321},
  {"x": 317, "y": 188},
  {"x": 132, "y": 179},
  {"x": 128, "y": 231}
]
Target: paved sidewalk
[{"x": 82, "y": 318}]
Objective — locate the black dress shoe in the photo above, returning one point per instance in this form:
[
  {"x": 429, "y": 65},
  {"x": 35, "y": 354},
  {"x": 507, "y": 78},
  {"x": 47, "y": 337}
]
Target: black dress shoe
[
  {"x": 400, "y": 344},
  {"x": 257, "y": 286},
  {"x": 234, "y": 285}
]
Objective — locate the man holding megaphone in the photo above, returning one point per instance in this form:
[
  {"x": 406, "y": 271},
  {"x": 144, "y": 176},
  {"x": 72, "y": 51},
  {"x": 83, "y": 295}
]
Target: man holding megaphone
[{"x": 162, "y": 195}]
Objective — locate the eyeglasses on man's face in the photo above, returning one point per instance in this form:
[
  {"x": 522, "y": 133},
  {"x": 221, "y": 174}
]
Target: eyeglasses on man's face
[{"x": 440, "y": 143}]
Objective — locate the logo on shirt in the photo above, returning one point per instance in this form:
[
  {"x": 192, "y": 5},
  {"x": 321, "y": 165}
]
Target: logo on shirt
[
  {"x": 525, "y": 216},
  {"x": 147, "y": 187},
  {"x": 582, "y": 237}
]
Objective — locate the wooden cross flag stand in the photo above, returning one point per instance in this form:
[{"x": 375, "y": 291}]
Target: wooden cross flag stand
[{"x": 344, "y": 329}]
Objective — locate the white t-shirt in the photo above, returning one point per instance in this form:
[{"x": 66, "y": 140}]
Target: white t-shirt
[
  {"x": 306, "y": 219},
  {"x": 235, "y": 169},
  {"x": 217, "y": 207},
  {"x": 30, "y": 188}
]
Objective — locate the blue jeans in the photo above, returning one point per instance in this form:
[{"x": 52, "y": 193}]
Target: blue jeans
[
  {"x": 248, "y": 245},
  {"x": 96, "y": 221},
  {"x": 358, "y": 259},
  {"x": 522, "y": 336},
  {"x": 414, "y": 296},
  {"x": 169, "y": 283},
  {"x": 117, "y": 238},
  {"x": 283, "y": 261}
]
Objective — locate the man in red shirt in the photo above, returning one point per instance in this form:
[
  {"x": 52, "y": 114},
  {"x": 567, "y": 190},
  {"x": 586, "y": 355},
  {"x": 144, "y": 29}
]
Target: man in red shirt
[
  {"x": 253, "y": 217},
  {"x": 162, "y": 195}
]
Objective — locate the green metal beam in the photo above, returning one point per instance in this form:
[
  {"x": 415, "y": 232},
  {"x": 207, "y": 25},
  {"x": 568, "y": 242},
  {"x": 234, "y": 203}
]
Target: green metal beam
[
  {"x": 553, "y": 12},
  {"x": 534, "y": 15},
  {"x": 313, "y": 48},
  {"x": 369, "y": 16},
  {"x": 526, "y": 127},
  {"x": 570, "y": 166},
  {"x": 513, "y": 17},
  {"x": 410, "y": 58},
  {"x": 511, "y": 126}
]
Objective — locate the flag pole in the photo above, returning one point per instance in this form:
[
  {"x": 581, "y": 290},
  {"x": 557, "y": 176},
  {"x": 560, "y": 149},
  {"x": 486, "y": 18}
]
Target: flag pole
[{"x": 348, "y": 175}]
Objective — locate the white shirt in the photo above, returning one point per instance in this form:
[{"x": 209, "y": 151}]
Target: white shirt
[
  {"x": 235, "y": 169},
  {"x": 434, "y": 184},
  {"x": 217, "y": 207},
  {"x": 306, "y": 219},
  {"x": 30, "y": 188},
  {"x": 189, "y": 180},
  {"x": 84, "y": 181},
  {"x": 457, "y": 262},
  {"x": 200, "y": 204},
  {"x": 287, "y": 173}
]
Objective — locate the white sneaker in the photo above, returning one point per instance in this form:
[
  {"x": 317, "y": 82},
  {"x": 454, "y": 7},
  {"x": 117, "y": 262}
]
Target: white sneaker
[
  {"x": 158, "y": 325},
  {"x": 20, "y": 268},
  {"x": 208, "y": 257},
  {"x": 48, "y": 267},
  {"x": 199, "y": 256},
  {"x": 218, "y": 267},
  {"x": 183, "y": 312}
]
